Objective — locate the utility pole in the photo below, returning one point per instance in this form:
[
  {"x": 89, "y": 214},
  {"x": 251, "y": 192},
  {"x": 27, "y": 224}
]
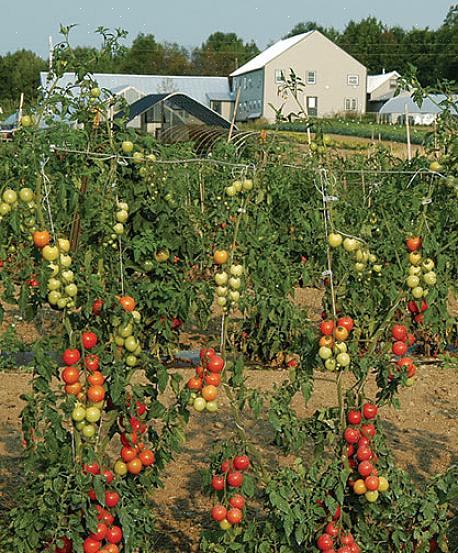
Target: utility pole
[{"x": 51, "y": 49}]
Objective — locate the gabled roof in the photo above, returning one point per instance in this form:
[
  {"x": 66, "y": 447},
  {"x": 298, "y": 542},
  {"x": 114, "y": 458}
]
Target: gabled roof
[
  {"x": 429, "y": 104},
  {"x": 197, "y": 87},
  {"x": 374, "y": 81},
  {"x": 205, "y": 114},
  {"x": 270, "y": 54}
]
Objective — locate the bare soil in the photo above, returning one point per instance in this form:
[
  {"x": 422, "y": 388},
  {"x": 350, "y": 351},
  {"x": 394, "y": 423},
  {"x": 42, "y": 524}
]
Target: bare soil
[{"x": 423, "y": 434}]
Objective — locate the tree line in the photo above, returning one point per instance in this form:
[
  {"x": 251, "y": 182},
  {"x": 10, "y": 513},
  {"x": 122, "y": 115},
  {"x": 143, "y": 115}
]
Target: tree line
[{"x": 379, "y": 47}]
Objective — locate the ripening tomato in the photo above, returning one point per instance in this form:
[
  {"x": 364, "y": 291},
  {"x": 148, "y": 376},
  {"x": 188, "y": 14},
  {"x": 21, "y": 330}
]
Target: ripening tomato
[
  {"x": 370, "y": 411},
  {"x": 218, "y": 483},
  {"x": 414, "y": 243},
  {"x": 128, "y": 453},
  {"x": 234, "y": 516},
  {"x": 235, "y": 479},
  {"x": 97, "y": 307},
  {"x": 218, "y": 513},
  {"x": 41, "y": 238},
  {"x": 399, "y": 348},
  {"x": 419, "y": 319},
  {"x": 73, "y": 389},
  {"x": 359, "y": 487},
  {"x": 353, "y": 417},
  {"x": 220, "y": 257},
  {"x": 410, "y": 339},
  {"x": 209, "y": 392},
  {"x": 89, "y": 339},
  {"x": 326, "y": 341},
  {"x": 200, "y": 371},
  {"x": 341, "y": 333},
  {"x": 237, "y": 501},
  {"x": 327, "y": 328},
  {"x": 96, "y": 378},
  {"x": 127, "y": 303},
  {"x": 71, "y": 356},
  {"x": 399, "y": 332},
  {"x": 213, "y": 379},
  {"x": 215, "y": 364},
  {"x": 241, "y": 462},
  {"x": 70, "y": 375},
  {"x": 114, "y": 534},
  {"x": 135, "y": 466},
  {"x": 346, "y": 322},
  {"x": 147, "y": 457},
  {"x": 110, "y": 548},
  {"x": 96, "y": 393},
  {"x": 92, "y": 362},
  {"x": 111, "y": 498},
  {"x": 91, "y": 546}
]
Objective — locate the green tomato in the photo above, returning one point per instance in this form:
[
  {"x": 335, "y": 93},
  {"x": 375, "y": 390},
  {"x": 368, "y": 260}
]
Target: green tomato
[
  {"x": 120, "y": 468},
  {"x": 127, "y": 146},
  {"x": 89, "y": 431},
  {"x": 4, "y": 209},
  {"x": 235, "y": 283},
  {"x": 71, "y": 290},
  {"x": 237, "y": 185},
  {"x": 118, "y": 228},
  {"x": 410, "y": 382},
  {"x": 236, "y": 270},
  {"x": 351, "y": 244},
  {"x": 125, "y": 330},
  {"x": 343, "y": 359},
  {"x": 418, "y": 292},
  {"x": 221, "y": 301},
  {"x": 412, "y": 281},
  {"x": 26, "y": 121},
  {"x": 211, "y": 406},
  {"x": 65, "y": 261},
  {"x": 221, "y": 291},
  {"x": 50, "y": 253},
  {"x": 54, "y": 283},
  {"x": 54, "y": 297},
  {"x": 68, "y": 276},
  {"x": 122, "y": 216},
  {"x": 430, "y": 278},
  {"x": 119, "y": 341},
  {"x": 78, "y": 413},
  {"x": 80, "y": 425},
  {"x": 221, "y": 278},
  {"x": 199, "y": 404},
  {"x": 225, "y": 525},
  {"x": 360, "y": 267},
  {"x": 247, "y": 184},
  {"x": 330, "y": 364},
  {"x": 325, "y": 353},
  {"x": 138, "y": 157},
  {"x": 95, "y": 92},
  {"x": 371, "y": 496},
  {"x": 335, "y": 239},
  {"x": 148, "y": 266},
  {"x": 26, "y": 195},
  {"x": 131, "y": 343},
  {"x": 234, "y": 295},
  {"x": 340, "y": 347},
  {"x": 123, "y": 205},
  {"x": 414, "y": 271},
  {"x": 131, "y": 360},
  {"x": 231, "y": 191},
  {"x": 136, "y": 316},
  {"x": 9, "y": 196},
  {"x": 62, "y": 303},
  {"x": 93, "y": 414}
]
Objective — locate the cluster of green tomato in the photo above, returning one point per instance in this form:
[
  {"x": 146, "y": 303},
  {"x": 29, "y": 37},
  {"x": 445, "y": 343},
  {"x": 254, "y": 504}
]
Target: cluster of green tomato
[
  {"x": 244, "y": 185},
  {"x": 124, "y": 338},
  {"x": 121, "y": 217},
  {"x": 228, "y": 286},
  {"x": 365, "y": 261},
  {"x": 26, "y": 197}
]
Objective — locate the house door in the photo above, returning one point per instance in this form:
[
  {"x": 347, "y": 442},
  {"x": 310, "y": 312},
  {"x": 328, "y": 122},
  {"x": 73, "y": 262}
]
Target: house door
[{"x": 312, "y": 106}]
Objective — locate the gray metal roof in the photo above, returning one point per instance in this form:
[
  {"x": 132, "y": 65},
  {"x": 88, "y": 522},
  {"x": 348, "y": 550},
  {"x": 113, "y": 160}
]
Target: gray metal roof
[
  {"x": 199, "y": 88},
  {"x": 429, "y": 105}
]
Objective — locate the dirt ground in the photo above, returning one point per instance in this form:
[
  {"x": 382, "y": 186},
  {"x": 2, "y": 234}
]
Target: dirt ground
[{"x": 423, "y": 434}]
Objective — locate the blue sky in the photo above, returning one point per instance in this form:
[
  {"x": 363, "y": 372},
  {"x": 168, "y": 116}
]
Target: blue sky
[{"x": 28, "y": 23}]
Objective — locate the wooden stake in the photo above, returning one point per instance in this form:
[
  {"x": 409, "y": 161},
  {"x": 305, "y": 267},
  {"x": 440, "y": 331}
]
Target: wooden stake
[
  {"x": 409, "y": 145},
  {"x": 234, "y": 115}
]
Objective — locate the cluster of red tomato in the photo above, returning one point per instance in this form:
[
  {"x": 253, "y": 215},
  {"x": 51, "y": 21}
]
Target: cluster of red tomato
[
  {"x": 232, "y": 477},
  {"x": 333, "y": 349},
  {"x": 401, "y": 341},
  {"x": 420, "y": 276},
  {"x": 134, "y": 454},
  {"x": 106, "y": 529},
  {"x": 204, "y": 386},
  {"x": 332, "y": 533},
  {"x": 361, "y": 457}
]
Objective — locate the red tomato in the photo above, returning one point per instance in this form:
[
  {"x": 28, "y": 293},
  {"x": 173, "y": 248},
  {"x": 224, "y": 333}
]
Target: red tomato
[
  {"x": 71, "y": 356},
  {"x": 147, "y": 457},
  {"x": 346, "y": 322},
  {"x": 141, "y": 408},
  {"x": 92, "y": 362},
  {"x": 399, "y": 348},
  {"x": 111, "y": 498},
  {"x": 114, "y": 534},
  {"x": 89, "y": 339},
  {"x": 370, "y": 411},
  {"x": 226, "y": 466},
  {"x": 332, "y": 530},
  {"x": 200, "y": 371},
  {"x": 365, "y": 468},
  {"x": 92, "y": 496},
  {"x": 414, "y": 243},
  {"x": 420, "y": 318},
  {"x": 97, "y": 307},
  {"x": 235, "y": 479},
  {"x": 372, "y": 483},
  {"x": 96, "y": 378},
  {"x": 206, "y": 353},
  {"x": 349, "y": 449},
  {"x": 218, "y": 483},
  {"x": 215, "y": 364},
  {"x": 108, "y": 476},
  {"x": 412, "y": 307},
  {"x": 96, "y": 393},
  {"x": 364, "y": 453},
  {"x": 237, "y": 501},
  {"x": 346, "y": 539},
  {"x": 102, "y": 530},
  {"x": 195, "y": 383},
  {"x": 135, "y": 466},
  {"x": 324, "y": 542},
  {"x": 351, "y": 435},
  {"x": 104, "y": 515},
  {"x": 70, "y": 375},
  {"x": 354, "y": 417},
  {"x": 368, "y": 430},
  {"x": 92, "y": 468},
  {"x": 128, "y": 453},
  {"x": 213, "y": 379},
  {"x": 424, "y": 305},
  {"x": 218, "y": 513},
  {"x": 67, "y": 546},
  {"x": 91, "y": 546},
  {"x": 410, "y": 339},
  {"x": 241, "y": 462},
  {"x": 128, "y": 440},
  {"x": 327, "y": 328},
  {"x": 399, "y": 332},
  {"x": 234, "y": 516}
]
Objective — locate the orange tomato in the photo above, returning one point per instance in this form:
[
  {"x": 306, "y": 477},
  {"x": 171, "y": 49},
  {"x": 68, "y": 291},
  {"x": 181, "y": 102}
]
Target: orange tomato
[
  {"x": 135, "y": 466},
  {"x": 41, "y": 238},
  {"x": 209, "y": 393},
  {"x": 70, "y": 375},
  {"x": 128, "y": 303},
  {"x": 96, "y": 393},
  {"x": 73, "y": 389},
  {"x": 110, "y": 548},
  {"x": 213, "y": 378},
  {"x": 195, "y": 383},
  {"x": 341, "y": 333},
  {"x": 96, "y": 378},
  {"x": 327, "y": 341},
  {"x": 147, "y": 457},
  {"x": 220, "y": 257}
]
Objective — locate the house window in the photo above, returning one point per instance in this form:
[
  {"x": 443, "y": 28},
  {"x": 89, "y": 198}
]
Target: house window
[
  {"x": 250, "y": 82},
  {"x": 393, "y": 83},
  {"x": 312, "y": 106},
  {"x": 351, "y": 104},
  {"x": 353, "y": 80},
  {"x": 279, "y": 76},
  {"x": 311, "y": 77},
  {"x": 216, "y": 106}
]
